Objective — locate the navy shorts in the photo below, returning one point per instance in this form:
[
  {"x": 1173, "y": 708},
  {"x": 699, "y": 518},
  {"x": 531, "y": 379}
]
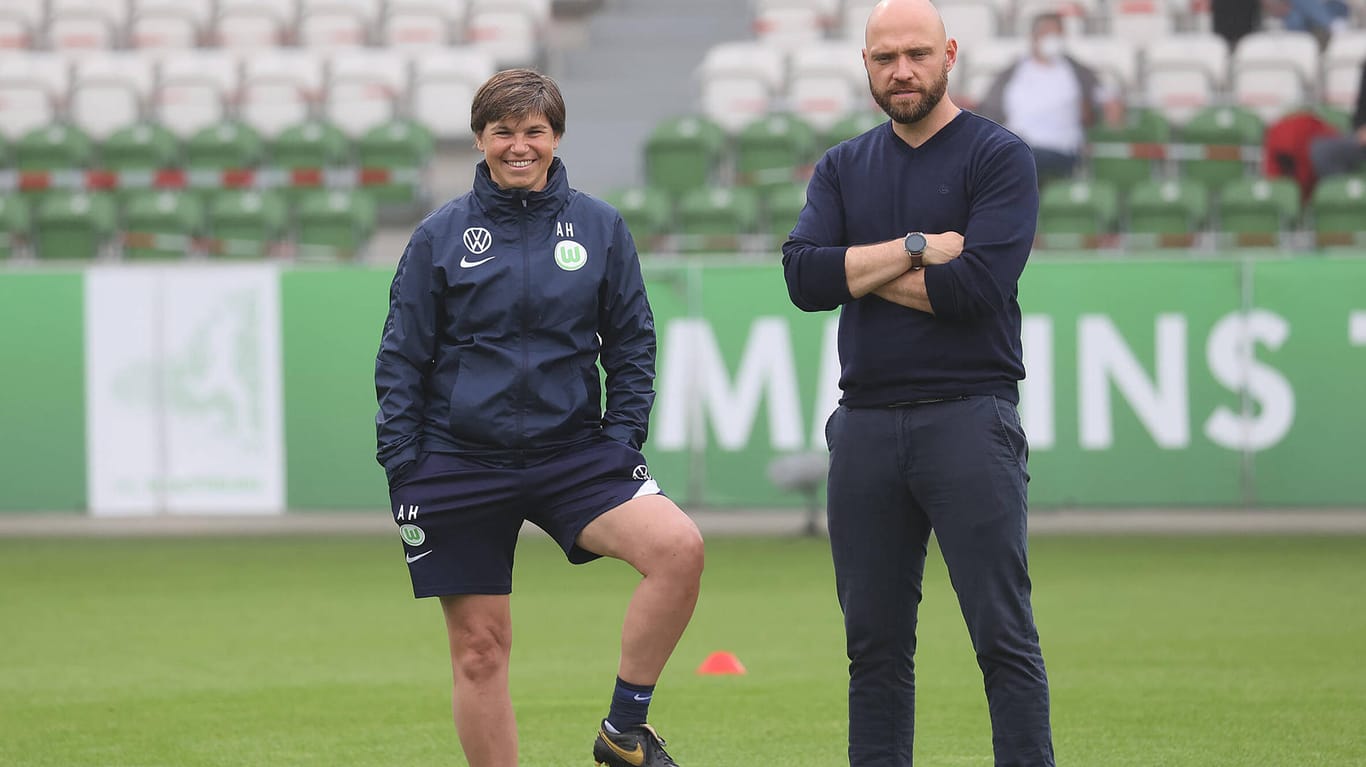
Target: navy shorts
[{"x": 459, "y": 515}]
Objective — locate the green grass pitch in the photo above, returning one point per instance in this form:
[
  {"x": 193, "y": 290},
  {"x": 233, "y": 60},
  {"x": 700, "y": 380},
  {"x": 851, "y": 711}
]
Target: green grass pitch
[{"x": 1202, "y": 651}]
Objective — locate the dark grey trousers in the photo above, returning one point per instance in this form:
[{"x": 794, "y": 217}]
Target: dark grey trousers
[{"x": 956, "y": 467}]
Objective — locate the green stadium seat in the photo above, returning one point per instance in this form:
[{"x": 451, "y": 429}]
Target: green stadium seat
[
  {"x": 1167, "y": 213},
  {"x": 140, "y": 146},
  {"x": 1128, "y": 154},
  {"x": 774, "y": 149},
  {"x": 56, "y": 148},
  {"x": 1077, "y": 214},
  {"x": 717, "y": 219},
  {"x": 334, "y": 223},
  {"x": 161, "y": 224},
  {"x": 648, "y": 213},
  {"x": 1338, "y": 208},
  {"x": 73, "y": 224},
  {"x": 230, "y": 145},
  {"x": 14, "y": 224},
  {"x": 1222, "y": 143},
  {"x": 849, "y": 126},
  {"x": 304, "y": 151},
  {"x": 782, "y": 205},
  {"x": 246, "y": 223},
  {"x": 400, "y": 145},
  {"x": 1254, "y": 212},
  {"x": 681, "y": 154},
  {"x": 140, "y": 149},
  {"x": 53, "y": 147},
  {"x": 226, "y": 145}
]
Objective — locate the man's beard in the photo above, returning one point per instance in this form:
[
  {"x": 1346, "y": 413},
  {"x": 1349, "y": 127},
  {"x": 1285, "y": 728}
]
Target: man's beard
[{"x": 928, "y": 100}]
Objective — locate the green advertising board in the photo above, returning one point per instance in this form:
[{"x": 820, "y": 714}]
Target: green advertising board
[
  {"x": 1179, "y": 382},
  {"x": 42, "y": 400}
]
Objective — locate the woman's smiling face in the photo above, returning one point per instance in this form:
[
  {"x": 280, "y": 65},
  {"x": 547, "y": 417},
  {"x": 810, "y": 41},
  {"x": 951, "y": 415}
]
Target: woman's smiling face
[{"x": 518, "y": 151}]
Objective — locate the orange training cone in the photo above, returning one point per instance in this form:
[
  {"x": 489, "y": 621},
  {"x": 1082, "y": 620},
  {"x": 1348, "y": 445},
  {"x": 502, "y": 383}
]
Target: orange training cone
[{"x": 721, "y": 663}]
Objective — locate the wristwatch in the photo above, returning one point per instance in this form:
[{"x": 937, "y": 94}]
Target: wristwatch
[{"x": 915, "y": 248}]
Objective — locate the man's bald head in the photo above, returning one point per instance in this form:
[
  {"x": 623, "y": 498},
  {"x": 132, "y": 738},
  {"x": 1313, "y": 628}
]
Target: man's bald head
[{"x": 893, "y": 16}]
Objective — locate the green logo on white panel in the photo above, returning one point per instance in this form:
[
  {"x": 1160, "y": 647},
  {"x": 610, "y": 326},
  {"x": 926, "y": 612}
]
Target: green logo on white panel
[
  {"x": 570, "y": 256},
  {"x": 412, "y": 535}
]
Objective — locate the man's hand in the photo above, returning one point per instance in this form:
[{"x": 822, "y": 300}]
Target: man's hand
[{"x": 942, "y": 248}]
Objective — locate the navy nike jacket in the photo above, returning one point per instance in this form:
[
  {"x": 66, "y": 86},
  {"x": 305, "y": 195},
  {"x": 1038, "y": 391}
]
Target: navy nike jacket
[{"x": 500, "y": 308}]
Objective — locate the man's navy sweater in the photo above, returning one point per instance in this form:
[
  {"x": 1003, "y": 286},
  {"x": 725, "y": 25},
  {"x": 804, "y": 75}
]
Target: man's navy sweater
[{"x": 973, "y": 177}]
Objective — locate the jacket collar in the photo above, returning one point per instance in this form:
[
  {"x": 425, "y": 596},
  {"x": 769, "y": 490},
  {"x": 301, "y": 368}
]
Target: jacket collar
[{"x": 508, "y": 203}]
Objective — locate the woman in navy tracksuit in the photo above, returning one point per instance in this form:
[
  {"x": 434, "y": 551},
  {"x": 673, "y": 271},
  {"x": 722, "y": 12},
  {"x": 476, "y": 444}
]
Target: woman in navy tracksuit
[{"x": 490, "y": 414}]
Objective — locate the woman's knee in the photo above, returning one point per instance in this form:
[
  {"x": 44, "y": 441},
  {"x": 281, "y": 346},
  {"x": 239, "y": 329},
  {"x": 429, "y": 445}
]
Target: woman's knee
[
  {"x": 682, "y": 550},
  {"x": 480, "y": 653}
]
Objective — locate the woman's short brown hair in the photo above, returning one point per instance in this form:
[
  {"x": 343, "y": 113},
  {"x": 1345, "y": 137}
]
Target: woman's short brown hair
[{"x": 512, "y": 95}]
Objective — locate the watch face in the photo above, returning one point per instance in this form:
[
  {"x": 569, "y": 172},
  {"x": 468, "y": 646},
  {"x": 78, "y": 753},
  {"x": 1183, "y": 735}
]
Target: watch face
[{"x": 915, "y": 242}]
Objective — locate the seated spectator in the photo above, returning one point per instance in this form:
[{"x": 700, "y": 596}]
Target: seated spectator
[
  {"x": 1235, "y": 19},
  {"x": 1049, "y": 99},
  {"x": 1343, "y": 154},
  {"x": 1317, "y": 17}
]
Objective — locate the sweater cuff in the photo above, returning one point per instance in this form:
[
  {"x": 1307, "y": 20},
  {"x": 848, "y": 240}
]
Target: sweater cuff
[
  {"x": 939, "y": 290},
  {"x": 826, "y": 280}
]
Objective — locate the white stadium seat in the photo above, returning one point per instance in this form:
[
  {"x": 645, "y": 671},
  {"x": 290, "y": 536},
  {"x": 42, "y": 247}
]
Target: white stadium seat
[
  {"x": 843, "y": 58},
  {"x": 33, "y": 88},
  {"x": 828, "y": 9},
  {"x": 510, "y": 36},
  {"x": 790, "y": 29},
  {"x": 1077, "y": 15},
  {"x": 1114, "y": 59},
  {"x": 365, "y": 88},
  {"x": 109, "y": 91},
  {"x": 854, "y": 19},
  {"x": 443, "y": 87},
  {"x": 423, "y": 23},
  {"x": 21, "y": 24},
  {"x": 254, "y": 24},
  {"x": 336, "y": 24},
  {"x": 972, "y": 24},
  {"x": 1342, "y": 62},
  {"x": 195, "y": 89},
  {"x": 740, "y": 81},
  {"x": 745, "y": 57},
  {"x": 1140, "y": 21},
  {"x": 538, "y": 10},
  {"x": 164, "y": 29},
  {"x": 1275, "y": 72},
  {"x": 279, "y": 89},
  {"x": 823, "y": 100},
  {"x": 82, "y": 29},
  {"x": 1184, "y": 73}
]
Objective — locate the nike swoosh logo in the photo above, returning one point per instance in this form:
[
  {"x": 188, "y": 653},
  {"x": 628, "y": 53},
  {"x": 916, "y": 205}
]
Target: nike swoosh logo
[
  {"x": 642, "y": 698},
  {"x": 411, "y": 558},
  {"x": 636, "y": 756},
  {"x": 467, "y": 263}
]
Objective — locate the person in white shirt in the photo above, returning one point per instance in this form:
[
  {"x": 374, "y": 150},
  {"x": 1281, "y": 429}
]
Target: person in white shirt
[{"x": 1049, "y": 99}]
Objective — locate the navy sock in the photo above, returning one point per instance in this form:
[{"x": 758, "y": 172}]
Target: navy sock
[{"x": 630, "y": 704}]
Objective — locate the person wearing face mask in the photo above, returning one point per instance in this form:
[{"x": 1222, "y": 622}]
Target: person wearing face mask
[
  {"x": 503, "y": 305},
  {"x": 1049, "y": 99}
]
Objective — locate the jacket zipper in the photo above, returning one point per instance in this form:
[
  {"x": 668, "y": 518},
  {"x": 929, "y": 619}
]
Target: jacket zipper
[{"x": 526, "y": 307}]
